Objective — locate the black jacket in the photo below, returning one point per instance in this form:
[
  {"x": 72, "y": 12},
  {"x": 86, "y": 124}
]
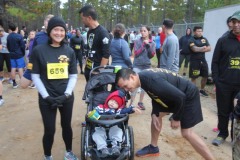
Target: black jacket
[{"x": 226, "y": 60}]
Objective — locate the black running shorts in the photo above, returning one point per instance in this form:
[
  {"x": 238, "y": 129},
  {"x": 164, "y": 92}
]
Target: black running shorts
[
  {"x": 198, "y": 68},
  {"x": 192, "y": 114}
]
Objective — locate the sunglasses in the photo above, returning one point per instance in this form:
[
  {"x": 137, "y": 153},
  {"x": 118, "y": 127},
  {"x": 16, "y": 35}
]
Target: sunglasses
[{"x": 1, "y": 30}]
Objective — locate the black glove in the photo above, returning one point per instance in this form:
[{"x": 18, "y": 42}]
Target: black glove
[
  {"x": 61, "y": 99},
  {"x": 52, "y": 102},
  {"x": 236, "y": 111},
  {"x": 147, "y": 46}
]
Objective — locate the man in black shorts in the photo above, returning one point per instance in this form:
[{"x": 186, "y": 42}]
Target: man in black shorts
[
  {"x": 169, "y": 93},
  {"x": 98, "y": 40},
  {"x": 198, "y": 64}
]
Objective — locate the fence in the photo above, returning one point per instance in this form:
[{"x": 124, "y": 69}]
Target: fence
[{"x": 179, "y": 29}]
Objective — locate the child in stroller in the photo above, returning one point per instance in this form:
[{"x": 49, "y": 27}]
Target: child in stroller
[
  {"x": 114, "y": 104},
  {"x": 97, "y": 90}
]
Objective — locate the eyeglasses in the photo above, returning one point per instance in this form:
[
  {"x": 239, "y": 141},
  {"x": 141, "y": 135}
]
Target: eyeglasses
[{"x": 1, "y": 30}]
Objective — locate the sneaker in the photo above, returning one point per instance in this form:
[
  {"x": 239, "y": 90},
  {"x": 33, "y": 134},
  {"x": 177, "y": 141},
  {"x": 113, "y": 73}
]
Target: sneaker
[
  {"x": 203, "y": 93},
  {"x": 15, "y": 85},
  {"x": 70, "y": 156},
  {"x": 148, "y": 151},
  {"x": 116, "y": 151},
  {"x": 1, "y": 102},
  {"x": 10, "y": 81},
  {"x": 32, "y": 86},
  {"x": 217, "y": 141},
  {"x": 48, "y": 158},
  {"x": 2, "y": 79},
  {"x": 141, "y": 106},
  {"x": 105, "y": 152},
  {"x": 215, "y": 129}
]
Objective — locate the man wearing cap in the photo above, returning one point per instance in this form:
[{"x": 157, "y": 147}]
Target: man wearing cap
[
  {"x": 98, "y": 40},
  {"x": 226, "y": 75}
]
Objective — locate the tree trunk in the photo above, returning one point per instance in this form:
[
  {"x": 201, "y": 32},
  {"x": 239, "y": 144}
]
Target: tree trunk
[{"x": 140, "y": 11}]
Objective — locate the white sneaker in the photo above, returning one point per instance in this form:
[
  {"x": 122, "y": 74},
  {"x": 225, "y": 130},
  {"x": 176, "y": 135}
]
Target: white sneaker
[
  {"x": 15, "y": 85},
  {"x": 48, "y": 158},
  {"x": 2, "y": 79},
  {"x": 70, "y": 156},
  {"x": 10, "y": 81},
  {"x": 1, "y": 102}
]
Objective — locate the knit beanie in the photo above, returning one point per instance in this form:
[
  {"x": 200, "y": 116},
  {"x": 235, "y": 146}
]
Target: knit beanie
[
  {"x": 54, "y": 22},
  {"x": 118, "y": 99}
]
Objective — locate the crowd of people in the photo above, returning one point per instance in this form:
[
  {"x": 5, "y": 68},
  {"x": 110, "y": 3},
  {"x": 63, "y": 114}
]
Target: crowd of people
[{"x": 47, "y": 60}]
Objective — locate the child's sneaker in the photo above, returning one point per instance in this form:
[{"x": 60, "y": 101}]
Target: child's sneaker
[
  {"x": 141, "y": 106},
  {"x": 105, "y": 152},
  {"x": 70, "y": 156},
  {"x": 116, "y": 151},
  {"x": 148, "y": 151},
  {"x": 48, "y": 158}
]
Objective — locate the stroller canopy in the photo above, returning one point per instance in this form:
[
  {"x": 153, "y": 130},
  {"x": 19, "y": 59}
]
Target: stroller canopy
[{"x": 99, "y": 80}]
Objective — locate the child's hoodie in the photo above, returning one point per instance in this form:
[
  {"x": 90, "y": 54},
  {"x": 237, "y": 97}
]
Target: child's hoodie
[{"x": 121, "y": 98}]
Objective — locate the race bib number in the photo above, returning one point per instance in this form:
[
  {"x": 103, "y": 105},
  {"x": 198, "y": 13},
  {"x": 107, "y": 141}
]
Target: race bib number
[
  {"x": 89, "y": 64},
  {"x": 196, "y": 72},
  {"x": 57, "y": 70},
  {"x": 234, "y": 63},
  {"x": 77, "y": 47}
]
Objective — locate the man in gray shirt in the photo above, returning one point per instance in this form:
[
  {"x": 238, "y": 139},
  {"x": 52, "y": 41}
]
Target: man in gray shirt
[{"x": 170, "y": 56}]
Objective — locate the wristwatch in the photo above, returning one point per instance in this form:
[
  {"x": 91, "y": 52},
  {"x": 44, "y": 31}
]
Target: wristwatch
[{"x": 67, "y": 95}]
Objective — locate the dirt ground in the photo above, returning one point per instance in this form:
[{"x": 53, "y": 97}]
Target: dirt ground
[{"x": 21, "y": 128}]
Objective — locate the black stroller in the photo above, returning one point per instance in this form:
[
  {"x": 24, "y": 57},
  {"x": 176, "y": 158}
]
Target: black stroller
[{"x": 96, "y": 91}]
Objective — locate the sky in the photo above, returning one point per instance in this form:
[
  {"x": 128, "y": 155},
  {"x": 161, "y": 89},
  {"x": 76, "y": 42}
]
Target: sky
[{"x": 63, "y": 1}]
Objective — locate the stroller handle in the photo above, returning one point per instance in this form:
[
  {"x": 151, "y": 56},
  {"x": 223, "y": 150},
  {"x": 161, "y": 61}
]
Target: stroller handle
[
  {"x": 101, "y": 69},
  {"x": 107, "y": 119}
]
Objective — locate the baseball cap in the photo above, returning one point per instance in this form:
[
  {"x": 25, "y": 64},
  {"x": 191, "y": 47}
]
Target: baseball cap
[{"x": 236, "y": 15}]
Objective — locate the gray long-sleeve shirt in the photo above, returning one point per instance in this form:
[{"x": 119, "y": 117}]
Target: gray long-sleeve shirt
[{"x": 170, "y": 56}]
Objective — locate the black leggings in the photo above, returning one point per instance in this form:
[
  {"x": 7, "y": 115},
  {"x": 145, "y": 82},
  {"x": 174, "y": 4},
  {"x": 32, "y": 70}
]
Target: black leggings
[
  {"x": 49, "y": 122},
  {"x": 6, "y": 57},
  {"x": 158, "y": 57},
  {"x": 79, "y": 58}
]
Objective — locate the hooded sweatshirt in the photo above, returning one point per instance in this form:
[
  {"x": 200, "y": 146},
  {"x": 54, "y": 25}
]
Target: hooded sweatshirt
[
  {"x": 104, "y": 108},
  {"x": 183, "y": 43}
]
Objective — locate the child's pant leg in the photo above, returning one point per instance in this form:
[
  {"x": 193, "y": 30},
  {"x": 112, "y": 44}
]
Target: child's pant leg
[
  {"x": 100, "y": 137},
  {"x": 115, "y": 134}
]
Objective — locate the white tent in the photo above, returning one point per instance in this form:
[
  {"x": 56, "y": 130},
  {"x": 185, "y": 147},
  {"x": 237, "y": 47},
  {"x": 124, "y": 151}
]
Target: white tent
[{"x": 215, "y": 26}]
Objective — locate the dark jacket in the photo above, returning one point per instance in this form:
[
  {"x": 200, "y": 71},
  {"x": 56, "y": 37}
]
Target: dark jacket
[
  {"x": 183, "y": 44},
  {"x": 77, "y": 44},
  {"x": 15, "y": 45},
  {"x": 226, "y": 60}
]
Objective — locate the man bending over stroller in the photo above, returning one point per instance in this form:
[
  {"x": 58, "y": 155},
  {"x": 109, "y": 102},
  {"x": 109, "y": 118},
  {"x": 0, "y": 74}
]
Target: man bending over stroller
[{"x": 114, "y": 104}]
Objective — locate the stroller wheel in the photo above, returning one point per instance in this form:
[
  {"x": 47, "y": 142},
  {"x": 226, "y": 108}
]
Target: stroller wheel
[
  {"x": 131, "y": 139},
  {"x": 83, "y": 144}
]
